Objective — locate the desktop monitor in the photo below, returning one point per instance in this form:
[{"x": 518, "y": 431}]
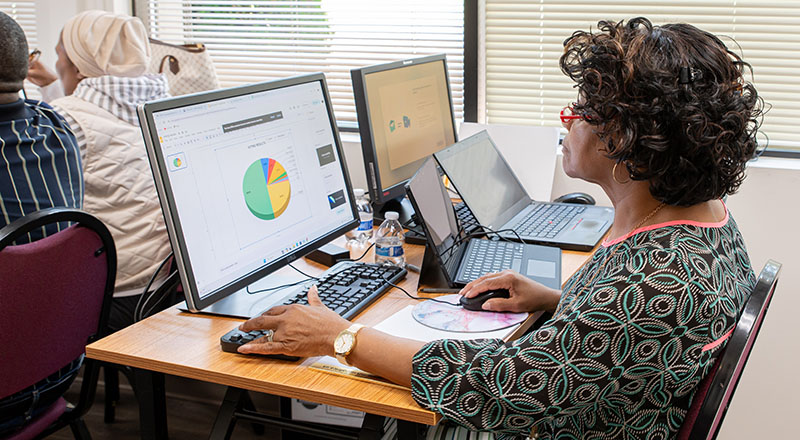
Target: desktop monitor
[
  {"x": 405, "y": 114},
  {"x": 250, "y": 178}
]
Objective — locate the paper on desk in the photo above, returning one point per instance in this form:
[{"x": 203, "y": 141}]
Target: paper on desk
[
  {"x": 404, "y": 325},
  {"x": 529, "y": 150}
]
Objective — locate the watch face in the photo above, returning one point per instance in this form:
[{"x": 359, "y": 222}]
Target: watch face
[{"x": 343, "y": 343}]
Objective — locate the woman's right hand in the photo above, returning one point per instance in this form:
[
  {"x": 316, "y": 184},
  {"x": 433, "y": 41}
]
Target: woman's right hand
[
  {"x": 526, "y": 295},
  {"x": 39, "y": 74}
]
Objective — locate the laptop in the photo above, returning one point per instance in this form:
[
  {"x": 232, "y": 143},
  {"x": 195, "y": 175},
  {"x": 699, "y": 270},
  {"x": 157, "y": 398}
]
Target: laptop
[
  {"x": 463, "y": 259},
  {"x": 499, "y": 202}
]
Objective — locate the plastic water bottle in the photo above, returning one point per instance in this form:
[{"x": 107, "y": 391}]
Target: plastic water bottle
[
  {"x": 389, "y": 242},
  {"x": 363, "y": 233}
]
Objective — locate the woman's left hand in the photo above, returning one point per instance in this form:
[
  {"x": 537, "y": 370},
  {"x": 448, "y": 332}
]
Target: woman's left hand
[{"x": 299, "y": 330}]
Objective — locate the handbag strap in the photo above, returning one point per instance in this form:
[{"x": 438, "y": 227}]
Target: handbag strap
[
  {"x": 190, "y": 47},
  {"x": 174, "y": 66}
]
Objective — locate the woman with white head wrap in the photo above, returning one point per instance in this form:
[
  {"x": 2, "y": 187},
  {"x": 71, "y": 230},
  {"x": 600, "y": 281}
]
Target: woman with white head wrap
[{"x": 102, "y": 58}]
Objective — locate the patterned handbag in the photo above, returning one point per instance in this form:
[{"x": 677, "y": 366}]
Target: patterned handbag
[{"x": 188, "y": 67}]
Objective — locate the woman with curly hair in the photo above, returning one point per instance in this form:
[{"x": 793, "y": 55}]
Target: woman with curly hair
[{"x": 664, "y": 122}]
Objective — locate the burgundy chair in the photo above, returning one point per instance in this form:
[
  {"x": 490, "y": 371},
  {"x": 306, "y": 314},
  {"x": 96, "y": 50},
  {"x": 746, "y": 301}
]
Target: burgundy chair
[
  {"x": 55, "y": 297},
  {"x": 715, "y": 391}
]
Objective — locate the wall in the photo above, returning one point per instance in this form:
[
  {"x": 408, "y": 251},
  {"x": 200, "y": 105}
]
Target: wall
[
  {"x": 50, "y": 20},
  {"x": 766, "y": 209}
]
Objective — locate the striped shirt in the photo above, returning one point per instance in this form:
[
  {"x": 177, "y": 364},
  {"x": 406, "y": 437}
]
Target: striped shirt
[
  {"x": 117, "y": 95},
  {"x": 40, "y": 164}
]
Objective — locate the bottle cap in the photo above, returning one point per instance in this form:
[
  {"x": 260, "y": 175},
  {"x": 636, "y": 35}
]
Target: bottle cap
[
  {"x": 358, "y": 192},
  {"x": 391, "y": 215}
]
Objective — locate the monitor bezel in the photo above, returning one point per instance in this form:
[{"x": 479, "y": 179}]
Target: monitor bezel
[
  {"x": 158, "y": 166},
  {"x": 377, "y": 192}
]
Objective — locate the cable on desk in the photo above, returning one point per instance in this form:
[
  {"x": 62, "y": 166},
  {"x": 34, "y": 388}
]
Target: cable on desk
[
  {"x": 362, "y": 255},
  {"x": 418, "y": 298},
  {"x": 308, "y": 277},
  {"x": 464, "y": 238},
  {"x": 303, "y": 273},
  {"x": 270, "y": 289},
  {"x": 283, "y": 286}
]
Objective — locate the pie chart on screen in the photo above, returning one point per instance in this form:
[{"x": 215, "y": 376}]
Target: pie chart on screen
[{"x": 266, "y": 189}]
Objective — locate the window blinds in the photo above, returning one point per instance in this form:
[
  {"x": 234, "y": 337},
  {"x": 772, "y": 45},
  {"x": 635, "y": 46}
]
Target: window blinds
[
  {"x": 24, "y": 12},
  {"x": 523, "y": 41},
  {"x": 253, "y": 41}
]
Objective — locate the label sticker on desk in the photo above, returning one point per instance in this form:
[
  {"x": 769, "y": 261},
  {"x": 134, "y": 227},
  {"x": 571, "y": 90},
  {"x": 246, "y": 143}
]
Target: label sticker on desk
[{"x": 454, "y": 318}]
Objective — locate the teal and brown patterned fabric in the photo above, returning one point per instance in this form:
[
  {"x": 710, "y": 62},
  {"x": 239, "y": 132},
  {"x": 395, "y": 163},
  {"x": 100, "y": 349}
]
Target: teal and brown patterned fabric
[{"x": 621, "y": 357}]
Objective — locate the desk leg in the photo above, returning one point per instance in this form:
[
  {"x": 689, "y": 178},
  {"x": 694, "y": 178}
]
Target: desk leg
[
  {"x": 152, "y": 404},
  {"x": 410, "y": 430},
  {"x": 226, "y": 417},
  {"x": 371, "y": 427}
]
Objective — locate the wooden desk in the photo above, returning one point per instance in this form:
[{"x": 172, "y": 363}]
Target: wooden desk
[{"x": 186, "y": 344}]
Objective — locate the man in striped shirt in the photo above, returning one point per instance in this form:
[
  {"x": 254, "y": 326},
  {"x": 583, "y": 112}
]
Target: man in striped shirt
[
  {"x": 40, "y": 164},
  {"x": 40, "y": 167}
]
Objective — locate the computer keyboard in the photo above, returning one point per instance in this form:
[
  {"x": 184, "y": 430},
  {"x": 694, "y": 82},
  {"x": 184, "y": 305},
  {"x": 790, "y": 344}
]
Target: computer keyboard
[
  {"x": 347, "y": 288},
  {"x": 546, "y": 221},
  {"x": 466, "y": 220},
  {"x": 490, "y": 256}
]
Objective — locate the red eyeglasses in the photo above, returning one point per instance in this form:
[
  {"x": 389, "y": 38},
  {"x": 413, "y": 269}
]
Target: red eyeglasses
[{"x": 568, "y": 115}]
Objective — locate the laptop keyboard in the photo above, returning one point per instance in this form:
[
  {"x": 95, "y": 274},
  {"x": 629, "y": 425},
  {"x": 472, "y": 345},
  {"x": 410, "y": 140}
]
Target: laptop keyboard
[
  {"x": 490, "y": 256},
  {"x": 347, "y": 292},
  {"x": 466, "y": 220},
  {"x": 546, "y": 221}
]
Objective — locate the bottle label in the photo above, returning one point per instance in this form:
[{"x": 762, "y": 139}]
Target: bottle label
[
  {"x": 389, "y": 251},
  {"x": 365, "y": 225}
]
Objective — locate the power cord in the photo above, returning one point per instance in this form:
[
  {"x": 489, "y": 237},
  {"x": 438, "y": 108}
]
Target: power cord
[
  {"x": 165, "y": 288},
  {"x": 362, "y": 255},
  {"x": 418, "y": 298},
  {"x": 486, "y": 231},
  {"x": 146, "y": 294},
  {"x": 308, "y": 277},
  {"x": 283, "y": 286}
]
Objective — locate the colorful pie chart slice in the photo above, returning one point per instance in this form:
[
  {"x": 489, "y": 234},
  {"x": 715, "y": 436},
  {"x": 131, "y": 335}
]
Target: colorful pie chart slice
[{"x": 266, "y": 189}]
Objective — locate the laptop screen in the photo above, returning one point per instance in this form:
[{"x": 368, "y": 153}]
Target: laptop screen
[
  {"x": 483, "y": 179},
  {"x": 253, "y": 175},
  {"x": 433, "y": 206}
]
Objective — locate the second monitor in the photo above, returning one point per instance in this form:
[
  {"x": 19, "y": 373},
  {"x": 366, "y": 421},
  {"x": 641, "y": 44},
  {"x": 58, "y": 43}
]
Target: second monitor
[{"x": 405, "y": 114}]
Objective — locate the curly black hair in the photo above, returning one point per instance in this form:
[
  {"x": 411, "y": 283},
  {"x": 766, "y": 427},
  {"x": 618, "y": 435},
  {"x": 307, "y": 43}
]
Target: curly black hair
[
  {"x": 670, "y": 102},
  {"x": 14, "y": 53}
]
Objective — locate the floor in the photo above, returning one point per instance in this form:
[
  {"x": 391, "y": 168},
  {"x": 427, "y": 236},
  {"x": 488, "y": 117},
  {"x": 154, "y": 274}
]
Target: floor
[{"x": 189, "y": 418}]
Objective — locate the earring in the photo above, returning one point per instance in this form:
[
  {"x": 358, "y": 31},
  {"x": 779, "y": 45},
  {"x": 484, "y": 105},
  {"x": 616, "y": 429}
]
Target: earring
[{"x": 614, "y": 175}]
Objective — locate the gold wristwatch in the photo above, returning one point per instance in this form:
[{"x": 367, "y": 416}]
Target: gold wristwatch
[{"x": 346, "y": 342}]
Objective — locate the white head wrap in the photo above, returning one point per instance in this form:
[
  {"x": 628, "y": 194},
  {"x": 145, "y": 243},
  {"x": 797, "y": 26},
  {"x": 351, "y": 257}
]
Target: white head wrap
[{"x": 101, "y": 43}]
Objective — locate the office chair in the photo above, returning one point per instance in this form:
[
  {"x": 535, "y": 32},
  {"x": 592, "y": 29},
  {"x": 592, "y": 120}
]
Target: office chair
[
  {"x": 55, "y": 297},
  {"x": 715, "y": 391}
]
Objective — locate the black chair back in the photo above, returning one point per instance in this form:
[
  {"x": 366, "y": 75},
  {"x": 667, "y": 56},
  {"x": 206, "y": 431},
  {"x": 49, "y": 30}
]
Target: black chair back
[{"x": 716, "y": 390}]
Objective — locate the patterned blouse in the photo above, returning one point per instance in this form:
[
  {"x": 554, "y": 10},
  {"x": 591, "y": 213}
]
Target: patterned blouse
[{"x": 623, "y": 354}]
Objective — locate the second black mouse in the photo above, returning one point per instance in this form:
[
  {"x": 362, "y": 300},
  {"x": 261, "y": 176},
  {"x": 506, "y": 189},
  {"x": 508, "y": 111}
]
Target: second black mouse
[{"x": 476, "y": 303}]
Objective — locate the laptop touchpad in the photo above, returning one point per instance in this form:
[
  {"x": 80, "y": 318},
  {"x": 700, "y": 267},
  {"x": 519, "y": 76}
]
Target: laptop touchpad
[
  {"x": 541, "y": 268},
  {"x": 592, "y": 225}
]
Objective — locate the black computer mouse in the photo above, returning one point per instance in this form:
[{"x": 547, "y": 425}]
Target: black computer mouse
[
  {"x": 576, "y": 197},
  {"x": 476, "y": 303}
]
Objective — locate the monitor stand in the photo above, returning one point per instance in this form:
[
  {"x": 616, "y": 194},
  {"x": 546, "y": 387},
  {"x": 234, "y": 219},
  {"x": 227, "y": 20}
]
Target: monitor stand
[
  {"x": 402, "y": 206},
  {"x": 241, "y": 304}
]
